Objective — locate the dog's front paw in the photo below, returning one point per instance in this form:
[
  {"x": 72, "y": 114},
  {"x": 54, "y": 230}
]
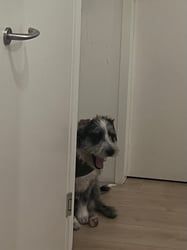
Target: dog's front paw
[
  {"x": 82, "y": 215},
  {"x": 76, "y": 225},
  {"x": 93, "y": 221},
  {"x": 83, "y": 220}
]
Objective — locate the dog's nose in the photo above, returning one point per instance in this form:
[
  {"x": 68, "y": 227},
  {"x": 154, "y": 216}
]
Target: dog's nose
[{"x": 110, "y": 152}]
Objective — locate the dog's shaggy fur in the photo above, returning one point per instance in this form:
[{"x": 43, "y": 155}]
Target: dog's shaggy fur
[{"x": 96, "y": 140}]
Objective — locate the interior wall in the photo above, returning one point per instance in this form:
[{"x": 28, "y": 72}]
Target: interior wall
[
  {"x": 100, "y": 63},
  {"x": 159, "y": 120}
]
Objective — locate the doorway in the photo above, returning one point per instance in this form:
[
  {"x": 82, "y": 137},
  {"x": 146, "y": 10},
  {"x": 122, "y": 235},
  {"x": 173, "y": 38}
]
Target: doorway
[
  {"x": 100, "y": 64},
  {"x": 147, "y": 207}
]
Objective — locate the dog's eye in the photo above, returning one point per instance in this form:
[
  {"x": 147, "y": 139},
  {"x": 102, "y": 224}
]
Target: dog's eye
[
  {"x": 112, "y": 136},
  {"x": 96, "y": 136}
]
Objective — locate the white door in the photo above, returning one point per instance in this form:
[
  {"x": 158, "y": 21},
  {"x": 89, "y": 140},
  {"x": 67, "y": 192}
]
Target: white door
[
  {"x": 159, "y": 119},
  {"x": 38, "y": 112}
]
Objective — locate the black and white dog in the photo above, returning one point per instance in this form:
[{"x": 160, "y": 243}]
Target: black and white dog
[{"x": 96, "y": 140}]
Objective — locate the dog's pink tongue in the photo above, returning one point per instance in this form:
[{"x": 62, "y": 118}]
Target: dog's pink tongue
[{"x": 99, "y": 162}]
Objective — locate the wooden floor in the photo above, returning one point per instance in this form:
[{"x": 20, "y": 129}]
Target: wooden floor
[{"x": 152, "y": 216}]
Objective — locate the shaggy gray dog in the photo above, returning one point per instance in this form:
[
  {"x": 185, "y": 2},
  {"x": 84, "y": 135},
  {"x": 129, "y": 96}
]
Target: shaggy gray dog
[{"x": 96, "y": 140}]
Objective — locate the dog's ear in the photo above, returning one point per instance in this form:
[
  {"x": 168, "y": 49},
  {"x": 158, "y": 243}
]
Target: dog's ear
[
  {"x": 110, "y": 120},
  {"x": 81, "y": 130},
  {"x": 83, "y": 122}
]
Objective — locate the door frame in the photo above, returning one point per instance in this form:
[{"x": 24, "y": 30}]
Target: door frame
[
  {"x": 73, "y": 117},
  {"x": 125, "y": 102}
]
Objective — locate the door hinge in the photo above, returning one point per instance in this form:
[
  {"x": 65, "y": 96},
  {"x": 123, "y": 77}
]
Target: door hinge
[{"x": 69, "y": 204}]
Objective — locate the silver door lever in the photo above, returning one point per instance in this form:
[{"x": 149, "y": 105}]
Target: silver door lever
[{"x": 8, "y": 36}]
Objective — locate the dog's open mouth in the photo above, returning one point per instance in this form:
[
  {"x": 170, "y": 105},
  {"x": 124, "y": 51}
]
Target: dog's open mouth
[{"x": 98, "y": 161}]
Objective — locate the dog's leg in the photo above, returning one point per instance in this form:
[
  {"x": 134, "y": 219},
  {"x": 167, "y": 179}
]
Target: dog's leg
[
  {"x": 107, "y": 211},
  {"x": 82, "y": 213},
  {"x": 80, "y": 209},
  {"x": 76, "y": 225},
  {"x": 93, "y": 218}
]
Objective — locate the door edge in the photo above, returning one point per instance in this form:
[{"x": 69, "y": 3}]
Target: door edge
[
  {"x": 73, "y": 115},
  {"x": 125, "y": 91}
]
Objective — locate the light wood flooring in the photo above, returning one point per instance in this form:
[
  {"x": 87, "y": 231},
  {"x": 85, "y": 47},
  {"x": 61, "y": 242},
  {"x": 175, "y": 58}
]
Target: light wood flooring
[{"x": 152, "y": 216}]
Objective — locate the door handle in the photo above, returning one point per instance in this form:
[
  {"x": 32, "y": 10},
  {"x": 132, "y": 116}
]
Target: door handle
[{"x": 8, "y": 36}]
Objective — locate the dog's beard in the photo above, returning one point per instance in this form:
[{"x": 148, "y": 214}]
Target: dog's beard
[
  {"x": 97, "y": 154},
  {"x": 92, "y": 158}
]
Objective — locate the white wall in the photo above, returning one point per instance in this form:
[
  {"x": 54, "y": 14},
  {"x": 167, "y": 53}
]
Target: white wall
[
  {"x": 100, "y": 61},
  {"x": 159, "y": 121}
]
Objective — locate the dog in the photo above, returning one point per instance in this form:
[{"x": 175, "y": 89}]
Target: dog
[{"x": 96, "y": 140}]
